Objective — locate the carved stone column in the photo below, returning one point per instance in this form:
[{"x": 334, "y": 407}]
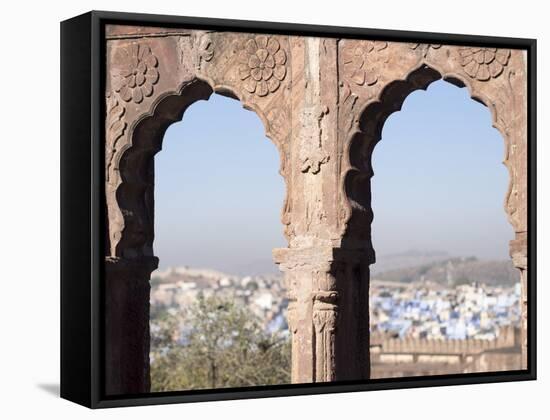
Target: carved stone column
[
  {"x": 328, "y": 313},
  {"x": 327, "y": 276}
]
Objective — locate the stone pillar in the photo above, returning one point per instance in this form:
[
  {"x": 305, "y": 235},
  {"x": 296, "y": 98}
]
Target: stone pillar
[
  {"x": 518, "y": 252},
  {"x": 517, "y": 199},
  {"x": 127, "y": 324},
  {"x": 327, "y": 276},
  {"x": 328, "y": 312}
]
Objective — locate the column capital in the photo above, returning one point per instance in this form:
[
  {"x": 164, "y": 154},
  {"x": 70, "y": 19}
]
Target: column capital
[{"x": 320, "y": 256}]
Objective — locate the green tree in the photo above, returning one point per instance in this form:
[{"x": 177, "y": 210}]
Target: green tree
[{"x": 223, "y": 345}]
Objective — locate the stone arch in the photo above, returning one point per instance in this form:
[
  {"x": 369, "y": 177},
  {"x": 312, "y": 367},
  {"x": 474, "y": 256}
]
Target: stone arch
[
  {"x": 134, "y": 194},
  {"x": 129, "y": 239},
  {"x": 151, "y": 79},
  {"x": 508, "y": 116},
  {"x": 368, "y": 132}
]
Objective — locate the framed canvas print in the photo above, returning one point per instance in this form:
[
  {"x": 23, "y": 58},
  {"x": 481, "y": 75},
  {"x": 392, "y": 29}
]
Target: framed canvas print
[{"x": 255, "y": 209}]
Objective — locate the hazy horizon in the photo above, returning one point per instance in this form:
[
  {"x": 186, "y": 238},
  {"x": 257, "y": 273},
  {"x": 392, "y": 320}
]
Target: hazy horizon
[
  {"x": 439, "y": 184},
  {"x": 266, "y": 266}
]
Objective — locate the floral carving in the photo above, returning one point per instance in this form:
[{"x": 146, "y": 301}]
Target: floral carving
[
  {"x": 359, "y": 61},
  {"x": 347, "y": 109},
  {"x": 314, "y": 161},
  {"x": 115, "y": 127},
  {"x": 312, "y": 153},
  {"x": 134, "y": 72},
  {"x": 204, "y": 48},
  {"x": 425, "y": 47},
  {"x": 262, "y": 65},
  {"x": 484, "y": 63}
]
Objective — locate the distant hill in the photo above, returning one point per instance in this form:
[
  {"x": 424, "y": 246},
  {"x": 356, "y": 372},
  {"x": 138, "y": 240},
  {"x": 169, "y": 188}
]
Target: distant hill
[
  {"x": 257, "y": 267},
  {"x": 407, "y": 267},
  {"x": 455, "y": 271},
  {"x": 406, "y": 259},
  {"x": 205, "y": 277}
]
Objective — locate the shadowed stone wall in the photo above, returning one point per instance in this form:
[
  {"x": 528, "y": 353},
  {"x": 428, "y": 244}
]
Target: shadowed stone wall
[{"x": 391, "y": 357}]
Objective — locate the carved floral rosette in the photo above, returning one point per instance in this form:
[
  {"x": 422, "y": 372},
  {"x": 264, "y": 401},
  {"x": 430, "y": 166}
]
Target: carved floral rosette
[
  {"x": 484, "y": 63},
  {"x": 362, "y": 63},
  {"x": 134, "y": 72},
  {"x": 361, "y": 58},
  {"x": 262, "y": 65}
]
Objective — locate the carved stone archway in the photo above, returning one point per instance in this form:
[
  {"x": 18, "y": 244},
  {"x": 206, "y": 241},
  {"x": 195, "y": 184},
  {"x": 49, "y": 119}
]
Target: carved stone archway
[
  {"x": 376, "y": 85},
  {"x": 323, "y": 102}
]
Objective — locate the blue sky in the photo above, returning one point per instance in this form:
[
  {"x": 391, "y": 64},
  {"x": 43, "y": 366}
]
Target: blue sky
[
  {"x": 218, "y": 192},
  {"x": 439, "y": 184}
]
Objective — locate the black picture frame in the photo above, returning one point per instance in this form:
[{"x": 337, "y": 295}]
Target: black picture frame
[{"x": 82, "y": 204}]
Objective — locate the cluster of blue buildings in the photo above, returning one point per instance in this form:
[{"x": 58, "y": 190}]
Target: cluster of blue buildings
[{"x": 436, "y": 312}]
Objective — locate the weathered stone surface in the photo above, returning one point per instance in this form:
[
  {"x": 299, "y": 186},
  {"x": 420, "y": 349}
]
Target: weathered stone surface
[
  {"x": 127, "y": 293},
  {"x": 323, "y": 103}
]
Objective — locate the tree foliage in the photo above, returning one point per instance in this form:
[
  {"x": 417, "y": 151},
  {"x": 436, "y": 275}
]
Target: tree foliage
[{"x": 215, "y": 344}]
